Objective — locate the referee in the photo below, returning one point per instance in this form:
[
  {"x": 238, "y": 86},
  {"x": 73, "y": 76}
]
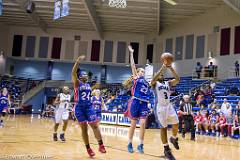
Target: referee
[{"x": 186, "y": 110}]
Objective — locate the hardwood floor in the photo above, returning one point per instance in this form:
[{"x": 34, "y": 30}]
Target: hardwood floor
[{"x": 26, "y": 136}]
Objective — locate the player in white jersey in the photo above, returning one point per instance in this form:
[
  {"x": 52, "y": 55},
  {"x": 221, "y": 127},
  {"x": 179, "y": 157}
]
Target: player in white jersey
[
  {"x": 166, "y": 114},
  {"x": 61, "y": 112}
]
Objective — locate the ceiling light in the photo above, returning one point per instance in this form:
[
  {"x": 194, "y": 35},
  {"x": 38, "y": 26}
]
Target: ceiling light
[{"x": 172, "y": 2}]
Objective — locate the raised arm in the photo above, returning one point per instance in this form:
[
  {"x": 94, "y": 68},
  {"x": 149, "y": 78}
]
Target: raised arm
[
  {"x": 159, "y": 73},
  {"x": 176, "y": 79},
  {"x": 103, "y": 105},
  {"x": 96, "y": 86},
  {"x": 132, "y": 63},
  {"x": 74, "y": 70},
  {"x": 128, "y": 83}
]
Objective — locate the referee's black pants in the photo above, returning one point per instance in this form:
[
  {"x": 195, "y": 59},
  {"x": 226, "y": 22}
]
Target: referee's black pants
[{"x": 189, "y": 125}]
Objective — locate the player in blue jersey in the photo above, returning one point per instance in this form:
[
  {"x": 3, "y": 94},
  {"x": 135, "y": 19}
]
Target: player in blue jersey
[
  {"x": 138, "y": 104},
  {"x": 4, "y": 104},
  {"x": 84, "y": 110},
  {"x": 98, "y": 103}
]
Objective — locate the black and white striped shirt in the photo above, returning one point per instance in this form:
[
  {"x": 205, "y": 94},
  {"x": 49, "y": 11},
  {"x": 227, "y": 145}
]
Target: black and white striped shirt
[{"x": 186, "y": 107}]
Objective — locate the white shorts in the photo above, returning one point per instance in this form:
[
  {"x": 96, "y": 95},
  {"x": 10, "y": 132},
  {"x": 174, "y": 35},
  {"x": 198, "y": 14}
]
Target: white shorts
[
  {"x": 61, "y": 114},
  {"x": 166, "y": 115}
]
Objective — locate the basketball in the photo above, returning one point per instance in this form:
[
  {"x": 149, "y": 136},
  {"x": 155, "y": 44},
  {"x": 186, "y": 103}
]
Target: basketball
[{"x": 167, "y": 58}]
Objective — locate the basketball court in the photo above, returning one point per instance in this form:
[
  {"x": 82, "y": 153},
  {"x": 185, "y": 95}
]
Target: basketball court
[
  {"x": 31, "y": 136},
  {"x": 40, "y": 40}
]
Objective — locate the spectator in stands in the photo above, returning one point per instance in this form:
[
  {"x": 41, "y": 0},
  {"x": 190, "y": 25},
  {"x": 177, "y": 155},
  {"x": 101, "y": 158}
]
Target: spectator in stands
[
  {"x": 33, "y": 84},
  {"x": 207, "y": 90},
  {"x": 226, "y": 107},
  {"x": 213, "y": 122},
  {"x": 212, "y": 85},
  {"x": 201, "y": 101},
  {"x": 198, "y": 93},
  {"x": 222, "y": 124},
  {"x": 110, "y": 99},
  {"x": 230, "y": 121},
  {"x": 122, "y": 91},
  {"x": 237, "y": 69},
  {"x": 95, "y": 79},
  {"x": 5, "y": 104},
  {"x": 211, "y": 69},
  {"x": 174, "y": 92},
  {"x": 49, "y": 111},
  {"x": 42, "y": 109},
  {"x": 236, "y": 127},
  {"x": 198, "y": 122},
  {"x": 233, "y": 91},
  {"x": 199, "y": 69},
  {"x": 238, "y": 110},
  {"x": 71, "y": 112},
  {"x": 214, "y": 105},
  {"x": 205, "y": 123}
]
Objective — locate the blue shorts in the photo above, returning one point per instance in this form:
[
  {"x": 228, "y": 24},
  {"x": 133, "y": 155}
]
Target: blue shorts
[
  {"x": 137, "y": 109},
  {"x": 3, "y": 107},
  {"x": 99, "y": 115},
  {"x": 85, "y": 114}
]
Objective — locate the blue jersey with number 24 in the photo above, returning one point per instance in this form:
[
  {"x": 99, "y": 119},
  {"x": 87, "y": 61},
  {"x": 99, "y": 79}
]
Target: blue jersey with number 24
[{"x": 83, "y": 94}]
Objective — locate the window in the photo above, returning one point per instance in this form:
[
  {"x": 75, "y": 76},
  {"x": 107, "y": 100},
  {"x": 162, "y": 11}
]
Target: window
[
  {"x": 95, "y": 50},
  {"x": 225, "y": 41},
  {"x": 17, "y": 45},
  {"x": 150, "y": 52},
  {"x": 56, "y": 48}
]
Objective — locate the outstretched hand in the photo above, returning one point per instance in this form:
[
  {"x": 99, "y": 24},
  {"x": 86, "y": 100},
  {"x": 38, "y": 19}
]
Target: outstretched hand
[
  {"x": 80, "y": 58},
  {"x": 130, "y": 49}
]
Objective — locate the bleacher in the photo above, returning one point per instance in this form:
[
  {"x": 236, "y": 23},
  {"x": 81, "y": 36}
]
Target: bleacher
[
  {"x": 220, "y": 88},
  {"x": 186, "y": 84},
  {"x": 220, "y": 91},
  {"x": 17, "y": 86}
]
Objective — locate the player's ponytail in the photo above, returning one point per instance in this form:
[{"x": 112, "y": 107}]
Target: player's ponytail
[{"x": 128, "y": 83}]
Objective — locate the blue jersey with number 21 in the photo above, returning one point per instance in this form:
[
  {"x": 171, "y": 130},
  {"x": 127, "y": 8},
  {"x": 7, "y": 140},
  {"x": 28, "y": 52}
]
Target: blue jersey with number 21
[
  {"x": 141, "y": 88},
  {"x": 83, "y": 94}
]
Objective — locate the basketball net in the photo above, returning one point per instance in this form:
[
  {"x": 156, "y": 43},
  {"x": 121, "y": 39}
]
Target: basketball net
[{"x": 118, "y": 3}]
